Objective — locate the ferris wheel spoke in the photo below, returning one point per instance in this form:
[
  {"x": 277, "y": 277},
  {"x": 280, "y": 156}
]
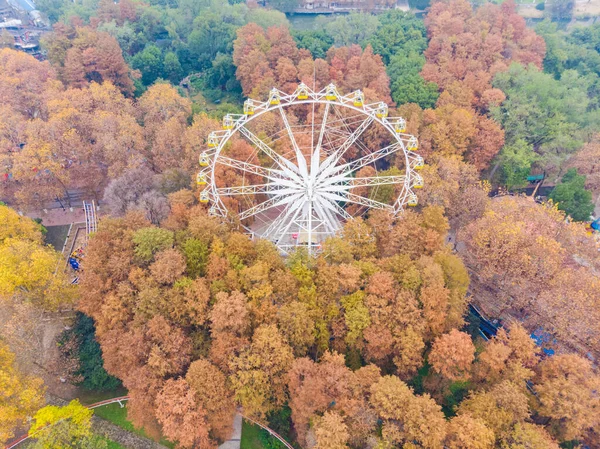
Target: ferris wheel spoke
[
  {"x": 335, "y": 157},
  {"x": 368, "y": 159},
  {"x": 344, "y": 182},
  {"x": 268, "y": 204},
  {"x": 287, "y": 166},
  {"x": 315, "y": 159},
  {"x": 279, "y": 227},
  {"x": 270, "y": 173},
  {"x": 299, "y": 156},
  {"x": 283, "y": 230},
  {"x": 334, "y": 207},
  {"x": 272, "y": 188},
  {"x": 330, "y": 223},
  {"x": 357, "y": 199}
]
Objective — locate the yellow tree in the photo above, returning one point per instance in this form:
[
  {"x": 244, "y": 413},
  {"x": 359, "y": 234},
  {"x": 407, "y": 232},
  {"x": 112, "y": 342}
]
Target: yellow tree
[
  {"x": 331, "y": 432},
  {"x": 567, "y": 387},
  {"x": 406, "y": 417},
  {"x": 62, "y": 427},
  {"x": 258, "y": 377},
  {"x": 21, "y": 395},
  {"x": 28, "y": 267}
]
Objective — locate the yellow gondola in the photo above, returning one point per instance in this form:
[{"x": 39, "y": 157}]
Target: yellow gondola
[
  {"x": 359, "y": 98},
  {"x": 228, "y": 122},
  {"x": 248, "y": 107},
  {"x": 418, "y": 182},
  {"x": 204, "y": 197},
  {"x": 412, "y": 200},
  {"x": 302, "y": 92},
  {"x": 212, "y": 140},
  {"x": 274, "y": 97},
  {"x": 382, "y": 110},
  {"x": 201, "y": 179},
  {"x": 419, "y": 163},
  {"x": 203, "y": 160},
  {"x": 400, "y": 126},
  {"x": 413, "y": 144},
  {"x": 331, "y": 93}
]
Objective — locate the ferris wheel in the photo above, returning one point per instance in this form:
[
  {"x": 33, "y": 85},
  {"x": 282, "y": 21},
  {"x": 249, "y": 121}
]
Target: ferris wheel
[{"x": 294, "y": 168}]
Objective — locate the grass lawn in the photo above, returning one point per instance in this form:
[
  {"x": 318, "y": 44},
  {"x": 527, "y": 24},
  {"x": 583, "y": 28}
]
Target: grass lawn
[
  {"x": 56, "y": 236},
  {"x": 253, "y": 437},
  {"x": 250, "y": 438},
  {"x": 117, "y": 415}
]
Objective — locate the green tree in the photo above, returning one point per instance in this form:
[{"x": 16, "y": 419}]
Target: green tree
[
  {"x": 315, "y": 41},
  {"x": 572, "y": 197},
  {"x": 196, "y": 257},
  {"x": 89, "y": 355},
  {"x": 149, "y": 241},
  {"x": 516, "y": 160},
  {"x": 354, "y": 28},
  {"x": 549, "y": 114},
  {"x": 150, "y": 63},
  {"x": 172, "y": 67},
  {"x": 407, "y": 85},
  {"x": 561, "y": 9}
]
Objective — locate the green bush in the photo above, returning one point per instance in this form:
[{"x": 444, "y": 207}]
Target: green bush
[{"x": 540, "y": 6}]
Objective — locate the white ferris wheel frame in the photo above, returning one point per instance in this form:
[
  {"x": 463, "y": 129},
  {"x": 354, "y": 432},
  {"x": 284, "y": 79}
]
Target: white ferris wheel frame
[{"x": 283, "y": 175}]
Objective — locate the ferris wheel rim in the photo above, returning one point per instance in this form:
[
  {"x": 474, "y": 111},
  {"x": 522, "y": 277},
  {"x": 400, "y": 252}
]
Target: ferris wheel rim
[{"x": 315, "y": 98}]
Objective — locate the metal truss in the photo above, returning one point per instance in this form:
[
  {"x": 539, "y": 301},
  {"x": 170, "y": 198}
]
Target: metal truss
[{"x": 301, "y": 196}]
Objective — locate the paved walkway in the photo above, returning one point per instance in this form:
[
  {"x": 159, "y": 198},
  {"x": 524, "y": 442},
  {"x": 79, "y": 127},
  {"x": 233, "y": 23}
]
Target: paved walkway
[
  {"x": 55, "y": 217},
  {"x": 234, "y": 441}
]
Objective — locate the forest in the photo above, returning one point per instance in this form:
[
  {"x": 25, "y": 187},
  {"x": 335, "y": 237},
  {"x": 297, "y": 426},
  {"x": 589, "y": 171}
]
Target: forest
[{"x": 370, "y": 343}]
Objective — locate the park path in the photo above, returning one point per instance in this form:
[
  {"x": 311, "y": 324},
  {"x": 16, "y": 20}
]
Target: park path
[{"x": 234, "y": 441}]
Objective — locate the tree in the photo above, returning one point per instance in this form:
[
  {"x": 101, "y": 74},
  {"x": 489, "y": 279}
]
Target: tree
[
  {"x": 181, "y": 417},
  {"x": 258, "y": 372},
  {"x": 150, "y": 63},
  {"x": 452, "y": 355},
  {"x": 566, "y": 385},
  {"x": 526, "y": 435},
  {"x": 352, "y": 29},
  {"x": 149, "y": 241},
  {"x": 136, "y": 189},
  {"x": 516, "y": 161},
  {"x": 88, "y": 354},
  {"x": 544, "y": 112},
  {"x": 571, "y": 196},
  {"x": 561, "y": 9},
  {"x": 407, "y": 417},
  {"x": 210, "y": 386},
  {"x": 62, "y": 427},
  {"x": 22, "y": 395},
  {"x": 500, "y": 408},
  {"x": 331, "y": 432},
  {"x": 458, "y": 51},
  {"x": 297, "y": 326},
  {"x": 466, "y": 432},
  {"x": 535, "y": 268},
  {"x": 29, "y": 267},
  {"x": 93, "y": 56},
  {"x": 587, "y": 161}
]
